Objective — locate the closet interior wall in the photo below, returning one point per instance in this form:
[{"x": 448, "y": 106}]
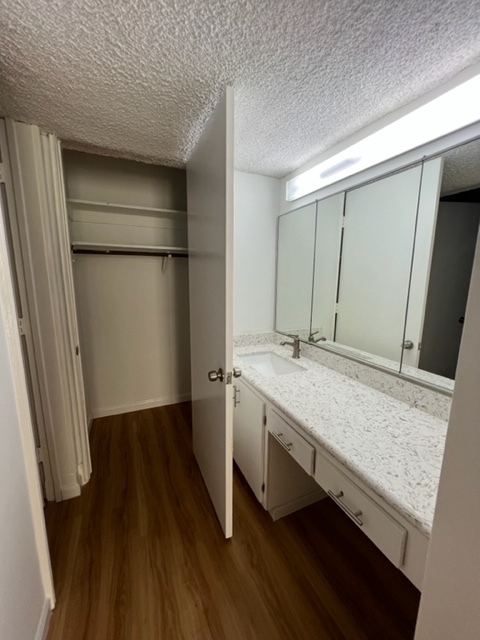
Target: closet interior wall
[{"x": 132, "y": 309}]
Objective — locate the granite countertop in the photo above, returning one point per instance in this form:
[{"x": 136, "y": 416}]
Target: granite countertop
[{"x": 395, "y": 449}]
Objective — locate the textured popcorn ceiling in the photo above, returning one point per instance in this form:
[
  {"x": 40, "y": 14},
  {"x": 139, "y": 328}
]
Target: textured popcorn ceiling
[
  {"x": 461, "y": 168},
  {"x": 140, "y": 77}
]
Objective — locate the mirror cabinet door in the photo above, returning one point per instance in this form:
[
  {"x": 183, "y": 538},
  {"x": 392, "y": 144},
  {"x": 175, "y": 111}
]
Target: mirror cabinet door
[
  {"x": 374, "y": 278},
  {"x": 381, "y": 272},
  {"x": 295, "y": 251},
  {"x": 447, "y": 229},
  {"x": 424, "y": 236},
  {"x": 328, "y": 240}
]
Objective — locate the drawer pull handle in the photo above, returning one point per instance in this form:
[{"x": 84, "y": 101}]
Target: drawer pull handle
[
  {"x": 279, "y": 438},
  {"x": 353, "y": 515}
]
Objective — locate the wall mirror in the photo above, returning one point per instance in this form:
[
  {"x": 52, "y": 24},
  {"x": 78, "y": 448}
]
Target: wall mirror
[
  {"x": 295, "y": 252},
  {"x": 328, "y": 239},
  {"x": 375, "y": 262},
  {"x": 450, "y": 250},
  {"x": 384, "y": 269}
]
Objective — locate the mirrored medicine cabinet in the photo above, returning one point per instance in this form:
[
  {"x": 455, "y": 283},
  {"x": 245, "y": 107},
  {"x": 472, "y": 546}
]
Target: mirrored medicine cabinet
[{"x": 380, "y": 273}]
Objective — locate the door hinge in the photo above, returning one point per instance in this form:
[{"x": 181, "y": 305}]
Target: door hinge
[
  {"x": 263, "y": 488},
  {"x": 236, "y": 396},
  {"x": 22, "y": 326},
  {"x": 39, "y": 455},
  {"x": 2, "y": 174},
  {"x": 265, "y": 419}
]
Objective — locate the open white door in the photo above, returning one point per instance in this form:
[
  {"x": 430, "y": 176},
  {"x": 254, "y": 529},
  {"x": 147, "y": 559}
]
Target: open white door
[{"x": 210, "y": 240}]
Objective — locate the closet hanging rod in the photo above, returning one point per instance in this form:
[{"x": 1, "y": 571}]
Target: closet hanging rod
[
  {"x": 118, "y": 252},
  {"x": 128, "y": 250}
]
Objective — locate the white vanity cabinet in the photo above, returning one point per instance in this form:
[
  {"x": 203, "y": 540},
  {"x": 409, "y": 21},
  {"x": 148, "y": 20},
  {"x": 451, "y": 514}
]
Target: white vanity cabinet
[
  {"x": 402, "y": 543},
  {"x": 248, "y": 435},
  {"x": 299, "y": 471},
  {"x": 388, "y": 534},
  {"x": 276, "y": 461},
  {"x": 288, "y": 468}
]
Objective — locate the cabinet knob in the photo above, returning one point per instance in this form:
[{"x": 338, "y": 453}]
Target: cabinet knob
[{"x": 237, "y": 372}]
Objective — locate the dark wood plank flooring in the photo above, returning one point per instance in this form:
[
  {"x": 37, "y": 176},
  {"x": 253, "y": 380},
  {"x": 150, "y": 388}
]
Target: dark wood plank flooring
[{"x": 140, "y": 555}]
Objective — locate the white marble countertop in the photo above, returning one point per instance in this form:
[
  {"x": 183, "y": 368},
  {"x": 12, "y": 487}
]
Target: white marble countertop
[{"x": 395, "y": 449}]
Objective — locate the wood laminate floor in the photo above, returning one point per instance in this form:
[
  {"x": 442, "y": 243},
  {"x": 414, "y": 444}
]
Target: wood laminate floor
[{"x": 140, "y": 556}]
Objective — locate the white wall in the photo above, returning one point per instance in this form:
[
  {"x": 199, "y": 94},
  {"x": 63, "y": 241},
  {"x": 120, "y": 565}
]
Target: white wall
[
  {"x": 25, "y": 576},
  {"x": 257, "y": 203},
  {"x": 449, "y": 607},
  {"x": 134, "y": 326},
  {"x": 105, "y": 179}
]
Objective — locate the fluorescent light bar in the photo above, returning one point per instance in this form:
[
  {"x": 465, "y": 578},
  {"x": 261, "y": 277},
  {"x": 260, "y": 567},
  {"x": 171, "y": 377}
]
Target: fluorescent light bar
[{"x": 451, "y": 111}]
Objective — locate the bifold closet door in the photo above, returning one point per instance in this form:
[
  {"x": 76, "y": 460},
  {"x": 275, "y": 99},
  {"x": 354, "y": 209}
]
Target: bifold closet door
[
  {"x": 210, "y": 238},
  {"x": 40, "y": 214}
]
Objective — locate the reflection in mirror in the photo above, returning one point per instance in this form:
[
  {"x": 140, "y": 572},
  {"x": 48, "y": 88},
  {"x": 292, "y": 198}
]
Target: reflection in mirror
[
  {"x": 449, "y": 267},
  {"x": 375, "y": 266},
  {"x": 295, "y": 250},
  {"x": 391, "y": 286},
  {"x": 327, "y": 252}
]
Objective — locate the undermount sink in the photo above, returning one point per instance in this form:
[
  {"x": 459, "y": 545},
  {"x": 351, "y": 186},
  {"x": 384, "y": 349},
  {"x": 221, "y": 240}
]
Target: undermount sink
[{"x": 271, "y": 364}]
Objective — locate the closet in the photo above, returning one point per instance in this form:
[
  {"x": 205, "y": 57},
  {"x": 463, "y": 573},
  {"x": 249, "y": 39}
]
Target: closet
[
  {"x": 98, "y": 247},
  {"x": 128, "y": 233}
]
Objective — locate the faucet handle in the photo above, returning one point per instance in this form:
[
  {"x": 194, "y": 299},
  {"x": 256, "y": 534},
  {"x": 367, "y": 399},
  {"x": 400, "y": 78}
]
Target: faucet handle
[{"x": 311, "y": 337}]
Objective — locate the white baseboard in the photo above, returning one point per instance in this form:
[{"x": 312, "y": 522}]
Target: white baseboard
[
  {"x": 102, "y": 412},
  {"x": 71, "y": 491},
  {"x": 290, "y": 507},
  {"x": 43, "y": 623}
]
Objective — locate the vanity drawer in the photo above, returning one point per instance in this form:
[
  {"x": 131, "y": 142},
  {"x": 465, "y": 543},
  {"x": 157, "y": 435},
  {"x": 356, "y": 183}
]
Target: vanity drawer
[
  {"x": 379, "y": 526},
  {"x": 300, "y": 450}
]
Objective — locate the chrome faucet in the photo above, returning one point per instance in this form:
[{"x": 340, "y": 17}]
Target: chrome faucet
[{"x": 295, "y": 344}]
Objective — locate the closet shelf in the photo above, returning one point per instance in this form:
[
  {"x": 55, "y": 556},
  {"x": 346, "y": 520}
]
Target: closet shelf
[
  {"x": 128, "y": 249},
  {"x": 89, "y": 205}
]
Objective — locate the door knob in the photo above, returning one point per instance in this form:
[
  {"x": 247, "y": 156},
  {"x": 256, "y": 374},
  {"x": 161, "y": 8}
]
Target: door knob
[
  {"x": 237, "y": 372},
  {"x": 408, "y": 344},
  {"x": 213, "y": 376}
]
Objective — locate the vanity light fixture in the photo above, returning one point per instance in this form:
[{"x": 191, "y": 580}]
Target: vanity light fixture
[{"x": 442, "y": 115}]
